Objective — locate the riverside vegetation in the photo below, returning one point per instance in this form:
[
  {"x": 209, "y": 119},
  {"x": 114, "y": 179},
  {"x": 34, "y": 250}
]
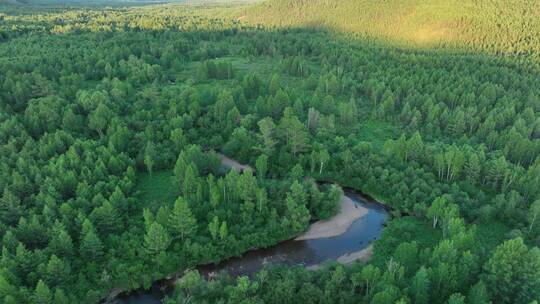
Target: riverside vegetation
[{"x": 109, "y": 118}]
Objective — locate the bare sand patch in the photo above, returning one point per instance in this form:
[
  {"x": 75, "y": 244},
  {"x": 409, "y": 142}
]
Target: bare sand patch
[
  {"x": 362, "y": 255},
  {"x": 338, "y": 224},
  {"x": 233, "y": 164}
]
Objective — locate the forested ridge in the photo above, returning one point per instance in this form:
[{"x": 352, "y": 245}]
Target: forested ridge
[
  {"x": 111, "y": 120},
  {"x": 498, "y": 27}
]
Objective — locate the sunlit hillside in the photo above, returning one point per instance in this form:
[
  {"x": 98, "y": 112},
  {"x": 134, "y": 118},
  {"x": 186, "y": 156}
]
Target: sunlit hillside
[{"x": 497, "y": 26}]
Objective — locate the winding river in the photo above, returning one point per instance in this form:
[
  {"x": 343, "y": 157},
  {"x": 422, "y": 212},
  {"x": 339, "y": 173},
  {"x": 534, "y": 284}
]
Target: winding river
[{"x": 352, "y": 244}]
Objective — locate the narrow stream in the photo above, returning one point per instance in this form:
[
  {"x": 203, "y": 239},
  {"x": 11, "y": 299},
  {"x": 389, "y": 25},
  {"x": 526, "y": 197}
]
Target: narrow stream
[{"x": 306, "y": 252}]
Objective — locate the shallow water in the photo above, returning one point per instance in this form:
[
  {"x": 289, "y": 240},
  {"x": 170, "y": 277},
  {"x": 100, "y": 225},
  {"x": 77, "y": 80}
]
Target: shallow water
[{"x": 307, "y": 252}]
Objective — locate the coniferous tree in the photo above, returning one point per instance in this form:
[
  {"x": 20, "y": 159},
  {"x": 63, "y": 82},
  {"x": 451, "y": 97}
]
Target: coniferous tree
[
  {"x": 42, "y": 294},
  {"x": 181, "y": 220},
  {"x": 156, "y": 239},
  {"x": 420, "y": 286},
  {"x": 91, "y": 247}
]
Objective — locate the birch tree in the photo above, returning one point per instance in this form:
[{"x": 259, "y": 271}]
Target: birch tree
[
  {"x": 323, "y": 158},
  {"x": 436, "y": 210},
  {"x": 534, "y": 213}
]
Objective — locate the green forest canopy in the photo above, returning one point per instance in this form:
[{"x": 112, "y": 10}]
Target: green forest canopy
[
  {"x": 501, "y": 27},
  {"x": 109, "y": 119}
]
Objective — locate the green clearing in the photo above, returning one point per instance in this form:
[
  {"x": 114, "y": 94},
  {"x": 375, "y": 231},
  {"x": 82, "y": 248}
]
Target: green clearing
[
  {"x": 376, "y": 132},
  {"x": 156, "y": 189}
]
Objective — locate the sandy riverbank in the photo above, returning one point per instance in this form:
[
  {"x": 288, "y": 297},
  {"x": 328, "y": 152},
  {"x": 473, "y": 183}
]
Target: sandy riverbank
[
  {"x": 361, "y": 255},
  {"x": 231, "y": 163},
  {"x": 337, "y": 225}
]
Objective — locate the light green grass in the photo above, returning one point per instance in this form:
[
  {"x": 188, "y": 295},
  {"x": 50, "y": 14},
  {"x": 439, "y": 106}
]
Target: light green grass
[
  {"x": 156, "y": 189},
  {"x": 376, "y": 132},
  {"x": 263, "y": 66}
]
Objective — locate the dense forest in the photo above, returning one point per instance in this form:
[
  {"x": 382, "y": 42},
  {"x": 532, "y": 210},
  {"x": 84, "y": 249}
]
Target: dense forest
[
  {"x": 497, "y": 27},
  {"x": 111, "y": 121}
]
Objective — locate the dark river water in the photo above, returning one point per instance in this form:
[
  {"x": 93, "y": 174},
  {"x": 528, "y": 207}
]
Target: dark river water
[{"x": 307, "y": 252}]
